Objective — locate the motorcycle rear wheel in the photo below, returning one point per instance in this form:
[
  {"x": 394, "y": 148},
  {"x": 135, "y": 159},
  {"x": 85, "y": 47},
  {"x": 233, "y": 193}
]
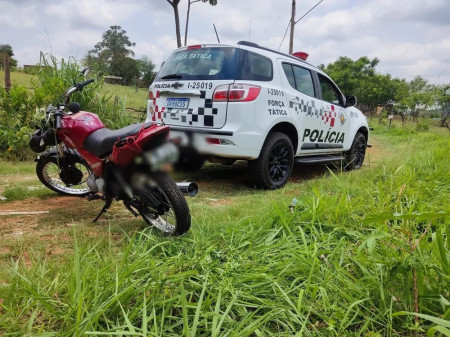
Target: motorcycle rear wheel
[
  {"x": 176, "y": 219},
  {"x": 52, "y": 175}
]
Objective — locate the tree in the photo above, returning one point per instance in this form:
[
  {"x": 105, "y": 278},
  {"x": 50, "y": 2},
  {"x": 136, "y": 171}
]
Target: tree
[
  {"x": 174, "y": 4},
  {"x": 115, "y": 46},
  {"x": 190, "y": 2},
  {"x": 442, "y": 100},
  {"x": 419, "y": 96},
  {"x": 359, "y": 78},
  {"x": 146, "y": 69},
  {"x": 112, "y": 56},
  {"x": 125, "y": 67},
  {"x": 12, "y": 62}
]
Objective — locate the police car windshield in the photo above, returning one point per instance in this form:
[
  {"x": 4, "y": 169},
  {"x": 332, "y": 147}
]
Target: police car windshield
[{"x": 200, "y": 64}]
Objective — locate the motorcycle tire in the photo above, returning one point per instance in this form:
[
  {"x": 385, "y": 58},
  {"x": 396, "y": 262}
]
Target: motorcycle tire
[
  {"x": 67, "y": 180},
  {"x": 176, "y": 218}
]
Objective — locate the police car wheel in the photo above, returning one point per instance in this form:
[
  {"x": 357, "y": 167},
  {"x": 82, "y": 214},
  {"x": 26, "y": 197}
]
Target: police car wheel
[
  {"x": 274, "y": 166},
  {"x": 354, "y": 157},
  {"x": 189, "y": 163}
]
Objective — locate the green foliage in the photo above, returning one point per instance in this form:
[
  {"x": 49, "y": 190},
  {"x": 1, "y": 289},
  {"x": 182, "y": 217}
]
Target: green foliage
[
  {"x": 147, "y": 71},
  {"x": 340, "y": 264},
  {"x": 360, "y": 78},
  {"x": 21, "y": 110},
  {"x": 6, "y": 49},
  {"x": 111, "y": 56},
  {"x": 420, "y": 96}
]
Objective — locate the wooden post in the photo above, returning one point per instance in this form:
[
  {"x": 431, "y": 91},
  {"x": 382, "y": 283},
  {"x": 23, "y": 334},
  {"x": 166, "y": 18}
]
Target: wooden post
[
  {"x": 7, "y": 72},
  {"x": 291, "y": 39}
]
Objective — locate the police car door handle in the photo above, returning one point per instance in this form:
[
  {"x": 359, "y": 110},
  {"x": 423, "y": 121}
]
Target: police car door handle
[{"x": 180, "y": 93}]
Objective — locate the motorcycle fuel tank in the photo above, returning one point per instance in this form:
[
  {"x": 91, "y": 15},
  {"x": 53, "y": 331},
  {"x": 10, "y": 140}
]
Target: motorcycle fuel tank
[{"x": 76, "y": 127}]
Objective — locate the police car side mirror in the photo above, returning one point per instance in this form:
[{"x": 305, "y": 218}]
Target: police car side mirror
[{"x": 350, "y": 101}]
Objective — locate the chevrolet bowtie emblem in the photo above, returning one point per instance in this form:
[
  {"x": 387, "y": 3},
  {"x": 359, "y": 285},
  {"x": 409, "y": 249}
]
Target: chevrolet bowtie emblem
[{"x": 177, "y": 85}]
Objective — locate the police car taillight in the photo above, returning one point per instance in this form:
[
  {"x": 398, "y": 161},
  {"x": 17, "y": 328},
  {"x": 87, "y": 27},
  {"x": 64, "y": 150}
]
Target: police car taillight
[{"x": 236, "y": 93}]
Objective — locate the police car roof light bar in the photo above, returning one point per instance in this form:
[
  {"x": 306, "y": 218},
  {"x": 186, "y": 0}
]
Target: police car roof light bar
[
  {"x": 301, "y": 55},
  {"x": 196, "y": 46}
]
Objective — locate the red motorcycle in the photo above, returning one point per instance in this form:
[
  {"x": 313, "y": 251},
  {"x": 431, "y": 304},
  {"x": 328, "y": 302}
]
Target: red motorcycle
[{"x": 129, "y": 164}]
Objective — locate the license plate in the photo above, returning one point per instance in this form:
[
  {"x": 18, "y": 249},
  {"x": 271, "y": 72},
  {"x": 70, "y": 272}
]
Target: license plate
[{"x": 177, "y": 103}]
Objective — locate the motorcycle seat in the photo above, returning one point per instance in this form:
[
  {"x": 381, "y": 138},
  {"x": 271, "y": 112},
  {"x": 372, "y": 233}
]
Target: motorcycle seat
[{"x": 101, "y": 141}]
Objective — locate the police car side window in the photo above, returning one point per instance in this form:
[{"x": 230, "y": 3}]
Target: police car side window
[
  {"x": 299, "y": 78},
  {"x": 255, "y": 67},
  {"x": 289, "y": 74},
  {"x": 303, "y": 80},
  {"x": 329, "y": 92}
]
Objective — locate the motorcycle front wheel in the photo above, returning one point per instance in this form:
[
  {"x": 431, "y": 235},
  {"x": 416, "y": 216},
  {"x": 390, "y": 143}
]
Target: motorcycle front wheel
[
  {"x": 173, "y": 217},
  {"x": 66, "y": 178}
]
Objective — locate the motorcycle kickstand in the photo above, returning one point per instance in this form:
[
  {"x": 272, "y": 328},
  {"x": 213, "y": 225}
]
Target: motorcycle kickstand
[
  {"x": 105, "y": 208},
  {"x": 128, "y": 206}
]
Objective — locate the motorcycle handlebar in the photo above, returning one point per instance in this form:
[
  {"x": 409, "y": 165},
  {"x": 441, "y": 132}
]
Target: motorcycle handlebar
[
  {"x": 82, "y": 84},
  {"x": 58, "y": 119}
]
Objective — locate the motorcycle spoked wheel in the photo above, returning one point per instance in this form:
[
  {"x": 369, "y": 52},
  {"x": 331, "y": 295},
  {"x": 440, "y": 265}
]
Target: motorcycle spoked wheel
[
  {"x": 174, "y": 218},
  {"x": 69, "y": 179}
]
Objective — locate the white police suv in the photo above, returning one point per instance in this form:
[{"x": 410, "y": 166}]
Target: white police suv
[{"x": 244, "y": 101}]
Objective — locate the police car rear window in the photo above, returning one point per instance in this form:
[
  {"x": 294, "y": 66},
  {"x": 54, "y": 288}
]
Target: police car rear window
[{"x": 200, "y": 64}]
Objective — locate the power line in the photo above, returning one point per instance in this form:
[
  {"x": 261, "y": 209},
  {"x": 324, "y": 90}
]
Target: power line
[
  {"x": 285, "y": 34},
  {"x": 317, "y": 4}
]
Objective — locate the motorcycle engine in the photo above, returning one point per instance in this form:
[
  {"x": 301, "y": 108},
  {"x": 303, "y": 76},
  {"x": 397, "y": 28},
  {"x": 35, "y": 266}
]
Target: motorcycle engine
[{"x": 96, "y": 184}]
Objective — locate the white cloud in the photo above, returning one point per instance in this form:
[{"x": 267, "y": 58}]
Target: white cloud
[{"x": 409, "y": 36}]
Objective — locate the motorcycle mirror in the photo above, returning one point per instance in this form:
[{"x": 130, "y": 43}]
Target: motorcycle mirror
[
  {"x": 74, "y": 107},
  {"x": 85, "y": 71}
]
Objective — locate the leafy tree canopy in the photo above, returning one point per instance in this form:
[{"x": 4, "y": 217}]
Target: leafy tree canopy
[
  {"x": 115, "y": 44},
  {"x": 113, "y": 56},
  {"x": 6, "y": 48}
]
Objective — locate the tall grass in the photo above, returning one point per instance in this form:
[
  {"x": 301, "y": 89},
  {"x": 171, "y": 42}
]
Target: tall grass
[{"x": 340, "y": 264}]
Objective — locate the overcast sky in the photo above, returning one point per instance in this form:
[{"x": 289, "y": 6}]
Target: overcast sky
[{"x": 410, "y": 37}]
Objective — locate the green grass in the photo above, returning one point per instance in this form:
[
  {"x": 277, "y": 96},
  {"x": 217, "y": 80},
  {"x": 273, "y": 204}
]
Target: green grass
[
  {"x": 127, "y": 94},
  {"x": 18, "y": 78},
  {"x": 340, "y": 264}
]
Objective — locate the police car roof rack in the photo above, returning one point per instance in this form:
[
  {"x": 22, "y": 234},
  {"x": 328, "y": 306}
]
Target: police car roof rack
[{"x": 255, "y": 45}]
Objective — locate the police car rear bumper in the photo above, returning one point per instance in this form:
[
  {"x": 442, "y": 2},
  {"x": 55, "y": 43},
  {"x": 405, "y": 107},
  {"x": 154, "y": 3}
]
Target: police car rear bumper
[{"x": 210, "y": 142}]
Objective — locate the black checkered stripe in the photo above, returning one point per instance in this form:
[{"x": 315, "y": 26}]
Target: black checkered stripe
[
  {"x": 202, "y": 116},
  {"x": 306, "y": 106}
]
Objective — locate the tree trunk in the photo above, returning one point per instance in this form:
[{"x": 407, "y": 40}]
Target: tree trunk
[
  {"x": 291, "y": 39},
  {"x": 7, "y": 73},
  {"x": 177, "y": 24},
  {"x": 187, "y": 23}
]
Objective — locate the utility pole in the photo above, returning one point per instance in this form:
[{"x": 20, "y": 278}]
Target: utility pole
[
  {"x": 7, "y": 73},
  {"x": 293, "y": 22},
  {"x": 291, "y": 40}
]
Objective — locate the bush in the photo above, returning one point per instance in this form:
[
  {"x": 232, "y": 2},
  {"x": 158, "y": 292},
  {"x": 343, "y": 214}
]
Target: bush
[
  {"x": 21, "y": 110},
  {"x": 422, "y": 125}
]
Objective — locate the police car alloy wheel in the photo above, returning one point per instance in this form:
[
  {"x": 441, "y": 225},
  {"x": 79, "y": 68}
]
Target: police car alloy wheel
[
  {"x": 274, "y": 165},
  {"x": 355, "y": 156}
]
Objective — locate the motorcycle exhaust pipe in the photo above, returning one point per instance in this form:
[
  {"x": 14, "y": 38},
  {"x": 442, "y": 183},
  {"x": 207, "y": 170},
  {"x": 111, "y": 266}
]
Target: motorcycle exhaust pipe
[{"x": 188, "y": 189}]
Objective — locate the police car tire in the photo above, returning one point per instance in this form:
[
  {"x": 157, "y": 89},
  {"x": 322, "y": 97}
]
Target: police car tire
[
  {"x": 354, "y": 157},
  {"x": 276, "y": 144},
  {"x": 189, "y": 163}
]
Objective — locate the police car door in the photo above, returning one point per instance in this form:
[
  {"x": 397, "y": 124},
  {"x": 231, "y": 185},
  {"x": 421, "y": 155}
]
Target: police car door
[
  {"x": 335, "y": 115},
  {"x": 304, "y": 105}
]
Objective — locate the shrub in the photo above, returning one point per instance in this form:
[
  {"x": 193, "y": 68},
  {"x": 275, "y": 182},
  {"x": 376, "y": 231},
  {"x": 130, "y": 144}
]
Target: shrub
[{"x": 21, "y": 110}]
